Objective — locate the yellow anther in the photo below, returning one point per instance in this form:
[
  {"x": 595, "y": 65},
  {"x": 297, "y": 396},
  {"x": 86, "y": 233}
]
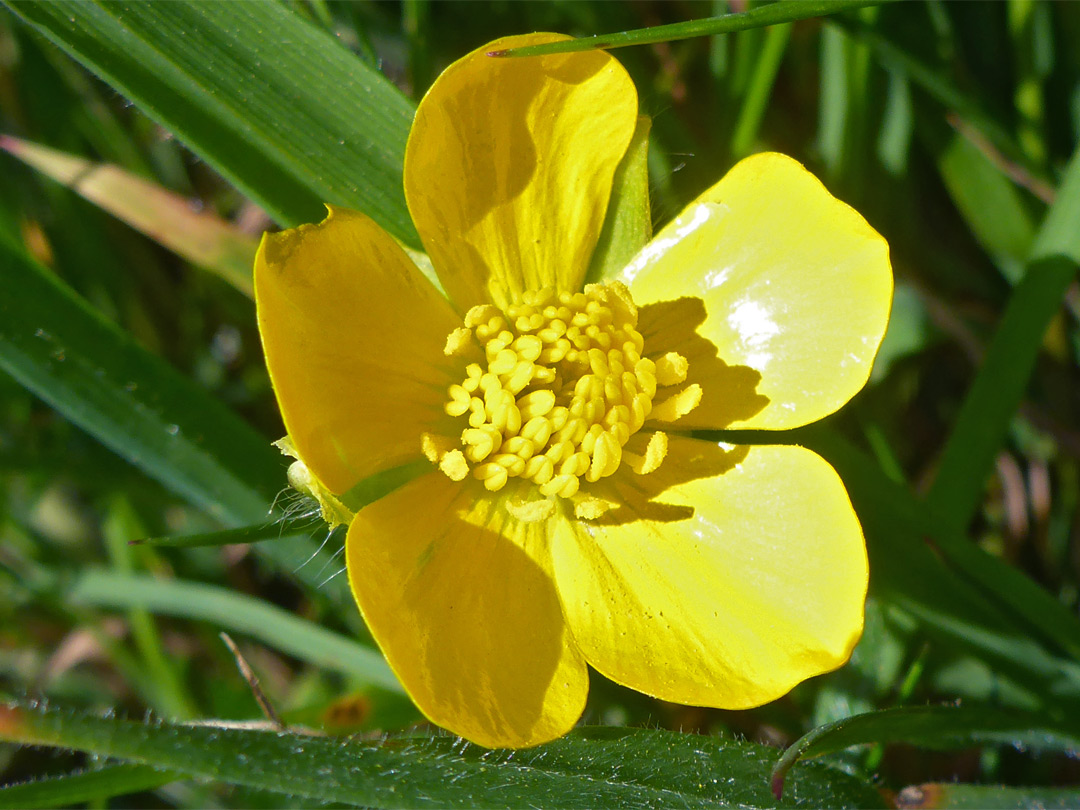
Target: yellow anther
[
  {"x": 513, "y": 464},
  {"x": 519, "y": 377},
  {"x": 457, "y": 341},
  {"x": 480, "y": 442},
  {"x": 454, "y": 466},
  {"x": 671, "y": 369},
  {"x": 678, "y": 405},
  {"x": 539, "y": 469},
  {"x": 504, "y": 361},
  {"x": 459, "y": 401},
  {"x": 587, "y": 507},
  {"x": 654, "y": 454},
  {"x": 589, "y": 442},
  {"x": 537, "y": 430},
  {"x": 493, "y": 475},
  {"x": 520, "y": 446},
  {"x": 531, "y": 511},
  {"x": 478, "y": 415},
  {"x": 529, "y": 346},
  {"x": 536, "y": 403},
  {"x": 481, "y": 315}
]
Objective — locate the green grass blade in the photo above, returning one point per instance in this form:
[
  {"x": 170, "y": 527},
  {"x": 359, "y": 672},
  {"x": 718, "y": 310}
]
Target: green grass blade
[
  {"x": 998, "y": 388},
  {"x": 236, "y": 613},
  {"x": 274, "y": 530},
  {"x": 942, "y": 728},
  {"x": 264, "y": 96},
  {"x": 96, "y": 376},
  {"x": 759, "y": 91},
  {"x": 89, "y": 786},
  {"x": 769, "y": 14},
  {"x": 601, "y": 767},
  {"x": 990, "y": 204}
]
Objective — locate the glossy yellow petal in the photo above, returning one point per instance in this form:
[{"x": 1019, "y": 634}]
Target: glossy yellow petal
[
  {"x": 509, "y": 165},
  {"x": 726, "y": 576},
  {"x": 354, "y": 336},
  {"x": 459, "y": 596},
  {"x": 795, "y": 285}
]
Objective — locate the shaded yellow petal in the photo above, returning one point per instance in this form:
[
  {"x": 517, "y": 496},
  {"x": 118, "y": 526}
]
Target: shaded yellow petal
[
  {"x": 354, "y": 337},
  {"x": 726, "y": 576},
  {"x": 795, "y": 285},
  {"x": 459, "y": 597},
  {"x": 509, "y": 165}
]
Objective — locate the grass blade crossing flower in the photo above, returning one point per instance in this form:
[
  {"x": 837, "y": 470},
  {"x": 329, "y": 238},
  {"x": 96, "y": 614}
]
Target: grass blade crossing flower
[{"x": 569, "y": 517}]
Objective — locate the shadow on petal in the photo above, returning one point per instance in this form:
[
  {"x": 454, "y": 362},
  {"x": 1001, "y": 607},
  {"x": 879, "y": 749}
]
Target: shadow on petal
[
  {"x": 637, "y": 494},
  {"x": 456, "y": 594},
  {"x": 729, "y": 393}
]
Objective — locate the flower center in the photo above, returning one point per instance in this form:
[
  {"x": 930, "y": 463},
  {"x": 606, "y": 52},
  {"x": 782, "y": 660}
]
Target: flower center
[{"x": 561, "y": 389}]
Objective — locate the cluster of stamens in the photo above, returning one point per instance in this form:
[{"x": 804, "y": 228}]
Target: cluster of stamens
[{"x": 561, "y": 388}]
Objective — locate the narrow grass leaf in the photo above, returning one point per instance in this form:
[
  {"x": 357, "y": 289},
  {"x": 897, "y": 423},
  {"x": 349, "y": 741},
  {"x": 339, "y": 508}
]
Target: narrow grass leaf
[
  {"x": 598, "y": 767},
  {"x": 236, "y": 613},
  {"x": 85, "y": 787},
  {"x": 941, "y": 728},
  {"x": 768, "y": 14},
  {"x": 981, "y": 426},
  {"x": 94, "y": 374},
  {"x": 262, "y": 94},
  {"x": 168, "y": 218},
  {"x": 757, "y": 95},
  {"x": 246, "y": 534},
  {"x": 990, "y": 204}
]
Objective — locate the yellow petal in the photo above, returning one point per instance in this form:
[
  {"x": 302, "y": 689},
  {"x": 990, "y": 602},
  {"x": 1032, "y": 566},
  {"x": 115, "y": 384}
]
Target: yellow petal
[
  {"x": 354, "y": 337},
  {"x": 726, "y": 577},
  {"x": 460, "y": 598},
  {"x": 796, "y": 289},
  {"x": 509, "y": 165}
]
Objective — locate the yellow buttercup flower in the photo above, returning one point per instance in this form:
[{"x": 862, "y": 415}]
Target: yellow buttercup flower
[{"x": 568, "y": 516}]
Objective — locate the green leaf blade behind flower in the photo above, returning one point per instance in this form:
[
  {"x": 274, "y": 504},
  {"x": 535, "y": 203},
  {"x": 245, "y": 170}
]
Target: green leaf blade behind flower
[
  {"x": 237, "y": 613},
  {"x": 1002, "y": 380},
  {"x": 276, "y": 105},
  {"x": 167, "y": 218},
  {"x": 88, "y": 786},
  {"x": 94, "y": 374},
  {"x": 593, "y": 767},
  {"x": 940, "y": 728},
  {"x": 764, "y": 15}
]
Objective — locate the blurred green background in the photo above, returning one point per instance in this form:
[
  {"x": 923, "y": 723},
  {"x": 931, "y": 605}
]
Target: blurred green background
[{"x": 134, "y": 401}]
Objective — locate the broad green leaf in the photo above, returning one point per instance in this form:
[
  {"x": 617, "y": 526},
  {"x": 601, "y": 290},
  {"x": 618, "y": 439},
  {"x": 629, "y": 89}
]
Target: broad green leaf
[
  {"x": 167, "y": 218},
  {"x": 95, "y": 375},
  {"x": 88, "y": 786},
  {"x": 271, "y": 101},
  {"x": 768, "y": 14},
  {"x": 628, "y": 223},
  {"x": 952, "y": 796},
  {"x": 237, "y": 613},
  {"x": 593, "y": 767},
  {"x": 988, "y": 408},
  {"x": 941, "y": 728}
]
